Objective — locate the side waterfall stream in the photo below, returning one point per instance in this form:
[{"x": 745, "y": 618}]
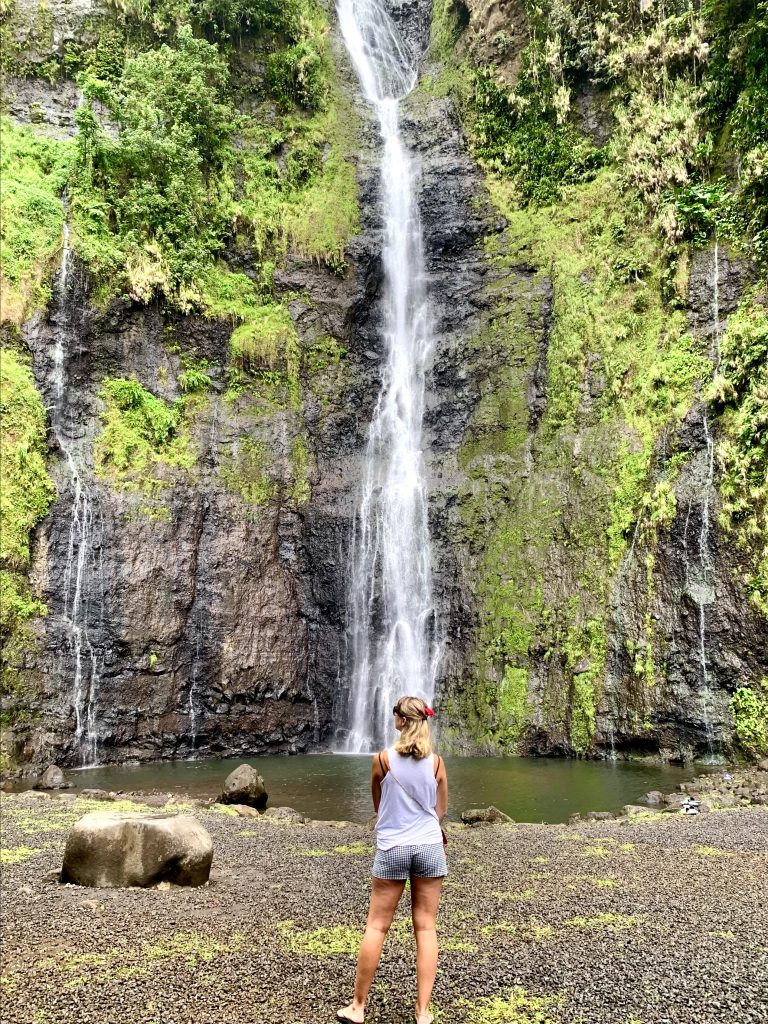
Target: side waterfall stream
[{"x": 390, "y": 609}]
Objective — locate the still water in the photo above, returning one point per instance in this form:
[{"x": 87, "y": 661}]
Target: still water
[{"x": 328, "y": 786}]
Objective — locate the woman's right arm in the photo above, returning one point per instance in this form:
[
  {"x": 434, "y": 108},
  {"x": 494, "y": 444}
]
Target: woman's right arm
[
  {"x": 442, "y": 791},
  {"x": 377, "y": 777}
]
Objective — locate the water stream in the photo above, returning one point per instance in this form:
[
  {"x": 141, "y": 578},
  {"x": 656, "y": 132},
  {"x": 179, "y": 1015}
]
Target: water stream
[
  {"x": 392, "y": 643},
  {"x": 84, "y": 542}
]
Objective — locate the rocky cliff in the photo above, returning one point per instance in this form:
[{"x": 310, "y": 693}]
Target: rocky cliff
[{"x": 208, "y": 371}]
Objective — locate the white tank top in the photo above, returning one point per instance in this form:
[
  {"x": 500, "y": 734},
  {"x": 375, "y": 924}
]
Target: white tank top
[{"x": 401, "y": 821}]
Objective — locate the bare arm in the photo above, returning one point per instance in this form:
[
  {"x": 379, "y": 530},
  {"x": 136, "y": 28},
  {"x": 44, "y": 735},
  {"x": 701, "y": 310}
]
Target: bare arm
[
  {"x": 442, "y": 791},
  {"x": 377, "y": 777}
]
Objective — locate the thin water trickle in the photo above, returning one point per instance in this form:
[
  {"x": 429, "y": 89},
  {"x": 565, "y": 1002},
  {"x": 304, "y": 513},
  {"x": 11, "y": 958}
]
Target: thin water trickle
[
  {"x": 392, "y": 642},
  {"x": 84, "y": 524}
]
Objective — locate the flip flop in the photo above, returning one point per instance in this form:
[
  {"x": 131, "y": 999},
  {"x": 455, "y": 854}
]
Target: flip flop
[{"x": 343, "y": 1016}]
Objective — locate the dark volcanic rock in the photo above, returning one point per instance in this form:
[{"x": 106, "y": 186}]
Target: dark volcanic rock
[{"x": 244, "y": 786}]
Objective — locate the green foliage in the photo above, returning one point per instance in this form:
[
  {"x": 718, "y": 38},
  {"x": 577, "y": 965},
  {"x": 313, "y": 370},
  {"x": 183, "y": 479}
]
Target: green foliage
[
  {"x": 519, "y": 135},
  {"x": 33, "y": 173},
  {"x": 141, "y": 435},
  {"x": 26, "y": 495},
  {"x": 156, "y": 190},
  {"x": 740, "y": 390},
  {"x": 193, "y": 378},
  {"x": 749, "y": 710}
]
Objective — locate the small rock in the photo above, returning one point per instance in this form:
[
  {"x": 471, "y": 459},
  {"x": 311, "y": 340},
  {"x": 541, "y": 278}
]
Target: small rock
[
  {"x": 286, "y": 815},
  {"x": 245, "y": 811},
  {"x": 96, "y": 794},
  {"x": 574, "y": 819},
  {"x": 762, "y": 766},
  {"x": 484, "y": 816},
  {"x": 244, "y": 786},
  {"x": 633, "y": 810},
  {"x": 599, "y": 816}
]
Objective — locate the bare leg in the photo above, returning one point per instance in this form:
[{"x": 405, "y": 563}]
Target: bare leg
[
  {"x": 425, "y": 896},
  {"x": 385, "y": 895}
]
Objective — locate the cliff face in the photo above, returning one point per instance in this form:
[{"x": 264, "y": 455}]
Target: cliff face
[{"x": 206, "y": 446}]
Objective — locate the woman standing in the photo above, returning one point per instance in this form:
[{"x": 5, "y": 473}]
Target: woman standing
[{"x": 410, "y": 793}]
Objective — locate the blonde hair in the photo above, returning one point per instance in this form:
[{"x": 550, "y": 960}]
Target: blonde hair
[{"x": 416, "y": 736}]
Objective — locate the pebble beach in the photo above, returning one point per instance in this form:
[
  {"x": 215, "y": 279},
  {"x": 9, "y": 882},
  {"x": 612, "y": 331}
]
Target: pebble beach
[{"x": 655, "y": 919}]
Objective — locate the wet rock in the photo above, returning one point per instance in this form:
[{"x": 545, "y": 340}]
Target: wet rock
[
  {"x": 52, "y": 778},
  {"x": 118, "y": 850},
  {"x": 484, "y": 816},
  {"x": 244, "y": 786},
  {"x": 654, "y": 797}
]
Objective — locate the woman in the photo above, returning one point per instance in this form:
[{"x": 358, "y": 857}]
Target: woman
[{"x": 410, "y": 794}]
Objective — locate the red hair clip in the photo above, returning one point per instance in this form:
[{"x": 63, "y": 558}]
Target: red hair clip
[{"x": 429, "y": 712}]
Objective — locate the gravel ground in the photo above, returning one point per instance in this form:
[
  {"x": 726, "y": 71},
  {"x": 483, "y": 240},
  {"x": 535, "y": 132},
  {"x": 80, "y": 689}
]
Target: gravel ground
[{"x": 623, "y": 922}]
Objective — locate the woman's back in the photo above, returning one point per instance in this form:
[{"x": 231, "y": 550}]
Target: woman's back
[{"x": 403, "y": 820}]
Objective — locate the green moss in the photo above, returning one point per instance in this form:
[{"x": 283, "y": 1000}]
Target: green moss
[
  {"x": 33, "y": 170},
  {"x": 247, "y": 472},
  {"x": 143, "y": 435},
  {"x": 740, "y": 392},
  {"x": 26, "y": 495},
  {"x": 609, "y": 921},
  {"x": 749, "y": 710},
  {"x": 338, "y": 939},
  {"x": 16, "y": 854},
  {"x": 516, "y": 1007}
]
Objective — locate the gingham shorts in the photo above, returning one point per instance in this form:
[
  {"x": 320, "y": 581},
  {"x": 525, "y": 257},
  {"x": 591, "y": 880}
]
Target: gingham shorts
[{"x": 426, "y": 860}]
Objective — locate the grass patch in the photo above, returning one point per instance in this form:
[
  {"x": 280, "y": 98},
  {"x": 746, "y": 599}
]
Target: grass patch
[
  {"x": 17, "y": 854},
  {"x": 334, "y": 941},
  {"x": 516, "y": 1007}
]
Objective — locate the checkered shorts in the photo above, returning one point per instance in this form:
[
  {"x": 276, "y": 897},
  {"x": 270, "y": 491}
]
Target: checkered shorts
[{"x": 426, "y": 860}]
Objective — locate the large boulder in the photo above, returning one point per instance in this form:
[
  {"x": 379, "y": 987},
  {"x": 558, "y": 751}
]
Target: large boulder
[
  {"x": 484, "y": 816},
  {"x": 115, "y": 850},
  {"x": 244, "y": 786},
  {"x": 52, "y": 778}
]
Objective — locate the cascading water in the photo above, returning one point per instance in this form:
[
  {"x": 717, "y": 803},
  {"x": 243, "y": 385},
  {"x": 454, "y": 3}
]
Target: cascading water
[
  {"x": 700, "y": 578},
  {"x": 84, "y": 544},
  {"x": 391, "y": 615}
]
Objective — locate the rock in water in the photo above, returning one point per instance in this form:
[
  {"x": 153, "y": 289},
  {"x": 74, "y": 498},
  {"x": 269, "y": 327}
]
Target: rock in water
[
  {"x": 244, "y": 786},
  {"x": 484, "y": 816},
  {"x": 52, "y": 778},
  {"x": 114, "y": 850}
]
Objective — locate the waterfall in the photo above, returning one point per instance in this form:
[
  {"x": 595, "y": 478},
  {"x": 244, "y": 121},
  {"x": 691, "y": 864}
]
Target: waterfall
[
  {"x": 390, "y": 607},
  {"x": 84, "y": 541},
  {"x": 700, "y": 583}
]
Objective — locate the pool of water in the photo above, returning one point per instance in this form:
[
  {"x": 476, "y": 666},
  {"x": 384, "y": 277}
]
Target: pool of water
[{"x": 328, "y": 786}]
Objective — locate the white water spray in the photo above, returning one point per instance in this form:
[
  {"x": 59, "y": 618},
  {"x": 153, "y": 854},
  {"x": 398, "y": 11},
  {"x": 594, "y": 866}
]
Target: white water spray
[{"x": 391, "y": 614}]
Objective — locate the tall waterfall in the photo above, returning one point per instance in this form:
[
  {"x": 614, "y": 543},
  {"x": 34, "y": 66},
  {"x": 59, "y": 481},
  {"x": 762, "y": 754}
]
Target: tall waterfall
[
  {"x": 390, "y": 611},
  {"x": 84, "y": 539}
]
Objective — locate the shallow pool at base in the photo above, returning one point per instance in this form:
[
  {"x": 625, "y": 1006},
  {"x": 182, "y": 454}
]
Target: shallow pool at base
[{"x": 329, "y": 786}]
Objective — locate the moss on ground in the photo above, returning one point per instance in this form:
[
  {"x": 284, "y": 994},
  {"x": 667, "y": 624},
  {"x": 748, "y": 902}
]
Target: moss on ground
[{"x": 517, "y": 1006}]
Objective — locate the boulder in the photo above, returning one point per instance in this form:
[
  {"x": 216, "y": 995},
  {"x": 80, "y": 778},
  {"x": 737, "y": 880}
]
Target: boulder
[
  {"x": 244, "y": 786},
  {"x": 634, "y": 810},
  {"x": 52, "y": 778},
  {"x": 244, "y": 811},
  {"x": 286, "y": 815},
  {"x": 114, "y": 850},
  {"x": 762, "y": 766},
  {"x": 96, "y": 794},
  {"x": 484, "y": 816},
  {"x": 599, "y": 816},
  {"x": 654, "y": 797},
  {"x": 674, "y": 800}
]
